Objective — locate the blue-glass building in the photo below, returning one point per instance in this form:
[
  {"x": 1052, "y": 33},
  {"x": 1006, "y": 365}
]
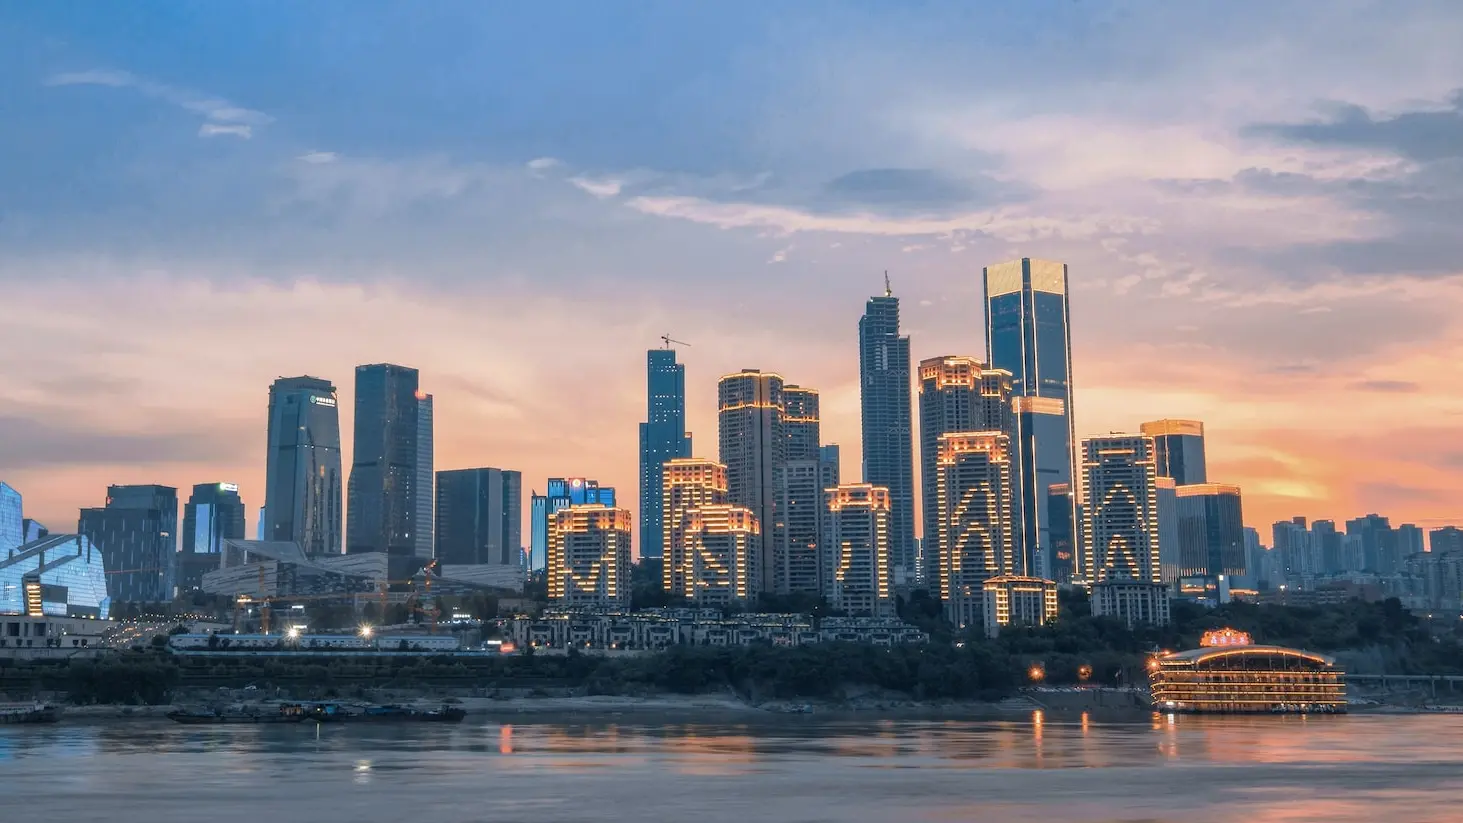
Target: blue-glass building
[
  {"x": 12, "y": 523},
  {"x": 137, "y": 536},
  {"x": 1179, "y": 447},
  {"x": 381, "y": 493},
  {"x": 302, "y": 483},
  {"x": 886, "y": 417},
  {"x": 1028, "y": 334},
  {"x": 214, "y": 513},
  {"x": 662, "y": 437},
  {"x": 35, "y": 530},
  {"x": 561, "y": 493},
  {"x": 479, "y": 518},
  {"x": 62, "y": 575}
]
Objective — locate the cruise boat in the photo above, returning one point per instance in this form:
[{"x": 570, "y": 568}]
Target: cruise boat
[{"x": 1230, "y": 674}]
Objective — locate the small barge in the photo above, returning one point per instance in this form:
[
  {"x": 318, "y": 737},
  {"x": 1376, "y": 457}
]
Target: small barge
[{"x": 37, "y": 713}]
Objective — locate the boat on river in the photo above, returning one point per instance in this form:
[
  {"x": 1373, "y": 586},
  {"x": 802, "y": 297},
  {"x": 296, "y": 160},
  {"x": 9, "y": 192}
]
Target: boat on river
[
  {"x": 288, "y": 713},
  {"x": 336, "y": 713},
  {"x": 29, "y": 713}
]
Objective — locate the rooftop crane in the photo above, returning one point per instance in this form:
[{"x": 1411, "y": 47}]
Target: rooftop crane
[{"x": 668, "y": 340}]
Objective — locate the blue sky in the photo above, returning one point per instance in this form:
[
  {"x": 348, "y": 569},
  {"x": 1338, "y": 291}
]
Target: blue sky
[{"x": 1258, "y": 201}]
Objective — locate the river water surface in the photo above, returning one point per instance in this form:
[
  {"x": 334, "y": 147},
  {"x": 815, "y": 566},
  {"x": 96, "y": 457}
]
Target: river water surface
[{"x": 1396, "y": 769}]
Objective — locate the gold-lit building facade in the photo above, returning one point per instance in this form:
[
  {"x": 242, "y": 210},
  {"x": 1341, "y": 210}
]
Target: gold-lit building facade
[
  {"x": 753, "y": 447},
  {"x": 1228, "y": 674},
  {"x": 975, "y": 530},
  {"x": 1011, "y": 601},
  {"x": 857, "y": 529},
  {"x": 686, "y": 483},
  {"x": 722, "y": 567},
  {"x": 800, "y": 484},
  {"x": 1120, "y": 521},
  {"x": 589, "y": 556}
]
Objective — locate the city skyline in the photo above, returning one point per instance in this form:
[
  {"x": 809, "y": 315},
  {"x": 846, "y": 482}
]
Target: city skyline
[{"x": 1242, "y": 253}]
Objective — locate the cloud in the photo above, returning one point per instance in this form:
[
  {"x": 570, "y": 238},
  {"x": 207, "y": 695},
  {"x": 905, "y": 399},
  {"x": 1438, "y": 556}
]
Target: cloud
[
  {"x": 214, "y": 130},
  {"x": 918, "y": 190},
  {"x": 541, "y": 164},
  {"x": 46, "y": 441},
  {"x": 1424, "y": 136},
  {"x": 221, "y": 116},
  {"x": 319, "y": 157},
  {"x": 602, "y": 188},
  {"x": 1388, "y": 386}
]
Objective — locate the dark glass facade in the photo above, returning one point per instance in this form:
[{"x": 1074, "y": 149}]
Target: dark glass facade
[
  {"x": 753, "y": 447},
  {"x": 137, "y": 535},
  {"x": 59, "y": 575},
  {"x": 214, "y": 513},
  {"x": 1028, "y": 334},
  {"x": 662, "y": 437},
  {"x": 12, "y": 523},
  {"x": 1211, "y": 531},
  {"x": 1379, "y": 553},
  {"x": 888, "y": 432},
  {"x": 381, "y": 496},
  {"x": 302, "y": 483},
  {"x": 480, "y": 517},
  {"x": 1179, "y": 448},
  {"x": 561, "y": 493}
]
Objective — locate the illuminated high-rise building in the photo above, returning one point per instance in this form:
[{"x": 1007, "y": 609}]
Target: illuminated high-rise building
[
  {"x": 974, "y": 526},
  {"x": 589, "y": 556},
  {"x": 687, "y": 484},
  {"x": 1170, "y": 551},
  {"x": 800, "y": 502},
  {"x": 1178, "y": 447},
  {"x": 1018, "y": 601},
  {"x": 1028, "y": 334},
  {"x": 214, "y": 513},
  {"x": 381, "y": 494},
  {"x": 956, "y": 394},
  {"x": 559, "y": 493},
  {"x": 1120, "y": 527},
  {"x": 722, "y": 565},
  {"x": 302, "y": 482},
  {"x": 662, "y": 437},
  {"x": 857, "y": 531},
  {"x": 801, "y": 422},
  {"x": 888, "y": 432},
  {"x": 1211, "y": 531},
  {"x": 753, "y": 449}
]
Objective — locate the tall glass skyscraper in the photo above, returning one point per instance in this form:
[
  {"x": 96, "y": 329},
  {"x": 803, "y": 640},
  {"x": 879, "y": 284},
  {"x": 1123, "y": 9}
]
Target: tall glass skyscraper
[
  {"x": 561, "y": 493},
  {"x": 302, "y": 483},
  {"x": 425, "y": 533},
  {"x": 12, "y": 523},
  {"x": 888, "y": 433},
  {"x": 381, "y": 496},
  {"x": 1179, "y": 446},
  {"x": 480, "y": 517},
  {"x": 214, "y": 513},
  {"x": 753, "y": 447},
  {"x": 662, "y": 437},
  {"x": 1028, "y": 335},
  {"x": 137, "y": 534}
]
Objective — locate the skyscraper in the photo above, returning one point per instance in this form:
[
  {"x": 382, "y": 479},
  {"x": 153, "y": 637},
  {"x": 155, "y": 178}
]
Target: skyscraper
[
  {"x": 1211, "y": 530},
  {"x": 137, "y": 534},
  {"x": 1378, "y": 543},
  {"x": 956, "y": 394},
  {"x": 1170, "y": 550},
  {"x": 753, "y": 449},
  {"x": 589, "y": 556},
  {"x": 974, "y": 537},
  {"x": 1178, "y": 446},
  {"x": 426, "y": 498},
  {"x": 214, "y": 513},
  {"x": 800, "y": 503},
  {"x": 687, "y": 484},
  {"x": 560, "y": 493},
  {"x": 662, "y": 437},
  {"x": 1120, "y": 481},
  {"x": 859, "y": 516},
  {"x": 888, "y": 434},
  {"x": 721, "y": 566},
  {"x": 12, "y": 521},
  {"x": 1028, "y": 335},
  {"x": 479, "y": 517},
  {"x": 1445, "y": 539},
  {"x": 302, "y": 484},
  {"x": 381, "y": 496}
]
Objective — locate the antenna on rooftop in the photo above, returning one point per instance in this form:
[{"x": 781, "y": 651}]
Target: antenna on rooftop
[{"x": 888, "y": 292}]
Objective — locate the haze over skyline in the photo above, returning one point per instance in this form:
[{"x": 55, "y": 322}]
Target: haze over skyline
[{"x": 1258, "y": 209}]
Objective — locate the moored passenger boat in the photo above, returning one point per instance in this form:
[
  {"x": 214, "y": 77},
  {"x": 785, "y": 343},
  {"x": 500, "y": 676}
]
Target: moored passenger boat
[
  {"x": 1229, "y": 674},
  {"x": 29, "y": 713}
]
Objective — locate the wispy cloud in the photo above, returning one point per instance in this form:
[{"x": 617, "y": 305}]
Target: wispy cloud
[
  {"x": 215, "y": 130},
  {"x": 603, "y": 188},
  {"x": 319, "y": 157},
  {"x": 221, "y": 116}
]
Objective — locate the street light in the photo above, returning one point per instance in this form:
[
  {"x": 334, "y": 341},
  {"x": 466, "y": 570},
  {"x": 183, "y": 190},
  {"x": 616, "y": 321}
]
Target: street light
[
  {"x": 294, "y": 633},
  {"x": 1036, "y": 673},
  {"x": 1083, "y": 672},
  {"x": 366, "y": 631}
]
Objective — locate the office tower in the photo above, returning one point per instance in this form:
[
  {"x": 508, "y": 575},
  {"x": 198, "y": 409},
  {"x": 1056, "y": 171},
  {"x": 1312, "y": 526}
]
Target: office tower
[
  {"x": 137, "y": 535},
  {"x": 1326, "y": 542},
  {"x": 260, "y": 529},
  {"x": 1292, "y": 544},
  {"x": 425, "y": 533},
  {"x": 888, "y": 433},
  {"x": 1409, "y": 542},
  {"x": 35, "y": 530},
  {"x": 801, "y": 422},
  {"x": 832, "y": 465},
  {"x": 1028, "y": 335},
  {"x": 214, "y": 513},
  {"x": 560, "y": 493},
  {"x": 12, "y": 522},
  {"x": 1445, "y": 539},
  {"x": 858, "y": 532},
  {"x": 974, "y": 535},
  {"x": 662, "y": 437},
  {"x": 956, "y": 394},
  {"x": 1378, "y": 543},
  {"x": 1064, "y": 524},
  {"x": 800, "y": 502},
  {"x": 1178, "y": 448},
  {"x": 721, "y": 566},
  {"x": 1018, "y": 601},
  {"x": 1211, "y": 531},
  {"x": 302, "y": 484},
  {"x": 479, "y": 517},
  {"x": 1120, "y": 523},
  {"x": 1169, "y": 546},
  {"x": 381, "y": 500},
  {"x": 753, "y": 449},
  {"x": 687, "y": 484},
  {"x": 1253, "y": 553},
  {"x": 589, "y": 556}
]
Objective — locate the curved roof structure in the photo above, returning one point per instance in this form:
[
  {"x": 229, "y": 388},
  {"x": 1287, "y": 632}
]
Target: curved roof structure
[{"x": 1209, "y": 653}]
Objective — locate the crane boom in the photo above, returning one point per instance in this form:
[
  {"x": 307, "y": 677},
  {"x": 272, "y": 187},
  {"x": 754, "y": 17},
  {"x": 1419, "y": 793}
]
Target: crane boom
[{"x": 668, "y": 340}]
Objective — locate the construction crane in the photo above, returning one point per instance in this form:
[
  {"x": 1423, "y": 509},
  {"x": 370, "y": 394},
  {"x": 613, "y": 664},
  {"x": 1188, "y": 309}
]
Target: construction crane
[{"x": 668, "y": 340}]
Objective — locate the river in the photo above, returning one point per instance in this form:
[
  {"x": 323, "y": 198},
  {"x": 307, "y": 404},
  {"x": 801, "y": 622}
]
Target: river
[{"x": 1397, "y": 769}]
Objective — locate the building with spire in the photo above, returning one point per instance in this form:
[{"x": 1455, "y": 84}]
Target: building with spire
[
  {"x": 888, "y": 435},
  {"x": 662, "y": 437}
]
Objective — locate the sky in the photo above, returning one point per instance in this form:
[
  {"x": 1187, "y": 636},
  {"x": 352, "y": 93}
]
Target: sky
[{"x": 1258, "y": 201}]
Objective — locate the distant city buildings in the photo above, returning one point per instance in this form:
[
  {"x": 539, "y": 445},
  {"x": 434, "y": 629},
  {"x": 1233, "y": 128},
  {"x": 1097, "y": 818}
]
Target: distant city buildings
[
  {"x": 381, "y": 496},
  {"x": 662, "y": 437},
  {"x": 423, "y": 528},
  {"x": 479, "y": 517},
  {"x": 1121, "y": 523},
  {"x": 1211, "y": 531},
  {"x": 1178, "y": 449},
  {"x": 1028, "y": 335},
  {"x": 137, "y": 536},
  {"x": 560, "y": 493},
  {"x": 858, "y": 533},
  {"x": 888, "y": 433},
  {"x": 753, "y": 447},
  {"x": 302, "y": 483},
  {"x": 214, "y": 513},
  {"x": 589, "y": 556}
]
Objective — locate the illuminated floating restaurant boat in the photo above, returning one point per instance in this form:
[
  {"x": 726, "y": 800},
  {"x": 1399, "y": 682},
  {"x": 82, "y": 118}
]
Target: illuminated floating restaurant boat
[{"x": 1230, "y": 674}]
